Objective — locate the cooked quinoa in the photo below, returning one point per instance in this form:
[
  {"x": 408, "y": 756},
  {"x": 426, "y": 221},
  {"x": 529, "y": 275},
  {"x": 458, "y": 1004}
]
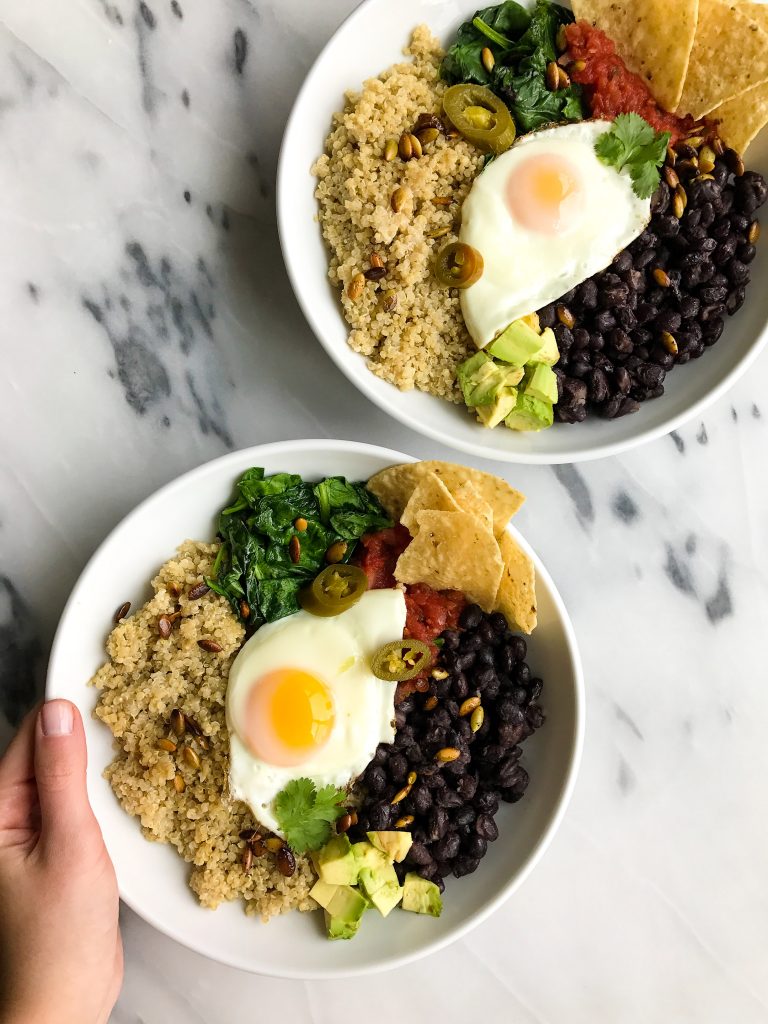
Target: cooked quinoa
[
  {"x": 146, "y": 677},
  {"x": 419, "y": 343}
]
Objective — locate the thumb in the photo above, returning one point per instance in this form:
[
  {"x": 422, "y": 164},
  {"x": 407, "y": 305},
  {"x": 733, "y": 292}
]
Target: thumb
[{"x": 60, "y": 762}]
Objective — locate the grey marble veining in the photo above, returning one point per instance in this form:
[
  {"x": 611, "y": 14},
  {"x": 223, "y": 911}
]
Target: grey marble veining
[{"x": 148, "y": 325}]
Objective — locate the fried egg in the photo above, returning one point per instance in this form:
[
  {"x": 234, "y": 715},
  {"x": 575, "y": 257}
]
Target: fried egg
[
  {"x": 545, "y": 216},
  {"x": 302, "y": 701}
]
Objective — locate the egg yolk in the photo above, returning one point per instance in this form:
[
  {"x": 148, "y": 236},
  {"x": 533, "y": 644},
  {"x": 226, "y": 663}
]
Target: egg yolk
[
  {"x": 545, "y": 193},
  {"x": 289, "y": 716}
]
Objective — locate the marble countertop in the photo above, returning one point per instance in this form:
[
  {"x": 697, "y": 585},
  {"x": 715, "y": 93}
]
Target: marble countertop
[{"x": 148, "y": 325}]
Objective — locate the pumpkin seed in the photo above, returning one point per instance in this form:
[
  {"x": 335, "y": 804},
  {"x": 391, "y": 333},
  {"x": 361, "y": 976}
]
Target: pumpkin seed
[
  {"x": 440, "y": 232},
  {"x": 245, "y": 610},
  {"x": 563, "y": 79},
  {"x": 191, "y": 757},
  {"x": 404, "y": 822},
  {"x": 447, "y": 754},
  {"x": 247, "y": 859},
  {"x": 718, "y": 146},
  {"x": 294, "y": 549},
  {"x": 164, "y": 626},
  {"x": 286, "y": 862},
  {"x": 427, "y": 135},
  {"x": 733, "y": 162},
  {"x": 561, "y": 40},
  {"x": 564, "y": 315},
  {"x": 439, "y": 673},
  {"x": 469, "y": 706},
  {"x": 486, "y": 56},
  {"x": 344, "y": 823},
  {"x": 416, "y": 149},
  {"x": 390, "y": 150},
  {"x": 430, "y": 703},
  {"x": 179, "y": 784},
  {"x": 121, "y": 612},
  {"x": 375, "y": 273},
  {"x": 401, "y": 794},
  {"x": 388, "y": 301},
  {"x": 412, "y": 776},
  {"x": 209, "y": 645},
  {"x": 300, "y": 524},
  {"x": 178, "y": 722},
  {"x": 669, "y": 343},
  {"x": 404, "y": 147},
  {"x": 754, "y": 232},
  {"x": 477, "y": 719},
  {"x": 166, "y": 744},
  {"x": 706, "y": 159},
  {"x": 375, "y": 261},
  {"x": 274, "y": 844},
  {"x": 398, "y": 199},
  {"x": 355, "y": 287},
  {"x": 552, "y": 77},
  {"x": 198, "y": 590},
  {"x": 671, "y": 176},
  {"x": 661, "y": 277},
  {"x": 336, "y": 552}
]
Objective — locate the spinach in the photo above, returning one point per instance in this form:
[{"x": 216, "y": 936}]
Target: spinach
[
  {"x": 254, "y": 563},
  {"x": 494, "y": 27},
  {"x": 522, "y": 44}
]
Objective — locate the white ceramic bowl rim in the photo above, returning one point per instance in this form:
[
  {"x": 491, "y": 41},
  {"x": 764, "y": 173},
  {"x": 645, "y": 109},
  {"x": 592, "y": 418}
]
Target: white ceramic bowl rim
[
  {"x": 59, "y": 670},
  {"x": 687, "y": 395}
]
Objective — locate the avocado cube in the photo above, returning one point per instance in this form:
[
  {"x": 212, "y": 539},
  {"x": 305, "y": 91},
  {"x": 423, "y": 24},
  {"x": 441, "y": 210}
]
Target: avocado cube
[
  {"x": 493, "y": 414},
  {"x": 335, "y": 863},
  {"x": 395, "y": 844},
  {"x": 549, "y": 352},
  {"x": 387, "y": 897},
  {"x": 541, "y": 382},
  {"x": 323, "y": 892},
  {"x": 338, "y": 929},
  {"x": 421, "y": 896},
  {"x": 530, "y": 414},
  {"x": 517, "y": 344}
]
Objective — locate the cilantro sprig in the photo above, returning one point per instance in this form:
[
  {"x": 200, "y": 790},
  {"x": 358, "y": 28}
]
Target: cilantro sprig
[
  {"x": 305, "y": 814},
  {"x": 632, "y": 143}
]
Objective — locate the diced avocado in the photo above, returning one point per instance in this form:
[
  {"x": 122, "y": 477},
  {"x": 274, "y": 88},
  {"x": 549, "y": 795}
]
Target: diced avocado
[
  {"x": 541, "y": 382},
  {"x": 549, "y": 352},
  {"x": 368, "y": 856},
  {"x": 530, "y": 414},
  {"x": 338, "y": 929},
  {"x": 532, "y": 319},
  {"x": 395, "y": 844},
  {"x": 493, "y": 414},
  {"x": 421, "y": 896},
  {"x": 323, "y": 892},
  {"x": 387, "y": 897},
  {"x": 481, "y": 378},
  {"x": 517, "y": 344},
  {"x": 336, "y": 863},
  {"x": 375, "y": 868}
]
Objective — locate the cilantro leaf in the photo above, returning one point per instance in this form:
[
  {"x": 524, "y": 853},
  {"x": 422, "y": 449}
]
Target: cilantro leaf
[
  {"x": 305, "y": 814},
  {"x": 633, "y": 144}
]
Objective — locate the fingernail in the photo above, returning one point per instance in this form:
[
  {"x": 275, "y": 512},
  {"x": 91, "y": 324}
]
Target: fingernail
[{"x": 56, "y": 718}]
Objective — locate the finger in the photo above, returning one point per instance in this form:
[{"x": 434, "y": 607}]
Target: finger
[
  {"x": 60, "y": 763},
  {"x": 17, "y": 791}
]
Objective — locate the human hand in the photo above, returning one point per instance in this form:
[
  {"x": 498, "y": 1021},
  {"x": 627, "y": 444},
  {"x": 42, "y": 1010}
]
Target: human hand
[{"x": 61, "y": 957}]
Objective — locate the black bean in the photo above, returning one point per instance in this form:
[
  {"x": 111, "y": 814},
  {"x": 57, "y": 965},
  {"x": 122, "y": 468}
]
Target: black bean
[
  {"x": 464, "y": 816},
  {"x": 713, "y": 331},
  {"x": 471, "y": 617},
  {"x": 735, "y": 300},
  {"x": 750, "y": 192},
  {"x": 447, "y": 847},
  {"x": 465, "y": 866},
  {"x": 587, "y": 293},
  {"x": 534, "y": 715},
  {"x": 487, "y": 802},
  {"x": 380, "y": 816},
  {"x": 448, "y": 798},
  {"x": 466, "y": 787},
  {"x": 437, "y": 823},
  {"x": 628, "y": 406},
  {"x": 689, "y": 307},
  {"x": 451, "y": 639},
  {"x": 375, "y": 779},
  {"x": 604, "y": 321},
  {"x": 419, "y": 854},
  {"x": 643, "y": 258},
  {"x": 486, "y": 827},
  {"x": 668, "y": 320},
  {"x": 738, "y": 273},
  {"x": 564, "y": 336}
]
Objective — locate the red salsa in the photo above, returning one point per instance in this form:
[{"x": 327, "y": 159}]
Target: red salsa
[
  {"x": 428, "y": 611},
  {"x": 610, "y": 88}
]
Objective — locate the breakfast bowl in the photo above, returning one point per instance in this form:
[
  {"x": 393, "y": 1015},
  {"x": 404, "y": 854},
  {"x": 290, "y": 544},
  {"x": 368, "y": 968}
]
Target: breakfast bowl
[
  {"x": 371, "y": 40},
  {"x": 152, "y": 877}
]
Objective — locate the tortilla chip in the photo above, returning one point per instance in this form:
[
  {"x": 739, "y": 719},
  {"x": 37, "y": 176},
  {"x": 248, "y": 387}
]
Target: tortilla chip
[
  {"x": 429, "y": 493},
  {"x": 470, "y": 500},
  {"x": 394, "y": 486},
  {"x": 742, "y": 117},
  {"x": 728, "y": 57},
  {"x": 516, "y": 598},
  {"x": 654, "y": 38},
  {"x": 453, "y": 551}
]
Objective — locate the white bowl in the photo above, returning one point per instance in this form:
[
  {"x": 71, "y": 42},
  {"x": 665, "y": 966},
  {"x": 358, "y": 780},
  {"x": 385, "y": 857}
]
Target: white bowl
[
  {"x": 369, "y": 41},
  {"x": 152, "y": 877}
]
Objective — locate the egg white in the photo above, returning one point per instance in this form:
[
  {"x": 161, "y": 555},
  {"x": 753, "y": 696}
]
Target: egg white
[
  {"x": 524, "y": 269},
  {"x": 338, "y": 651}
]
